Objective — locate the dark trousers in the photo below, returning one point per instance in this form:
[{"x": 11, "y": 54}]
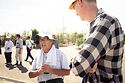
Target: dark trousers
[
  {"x": 58, "y": 80},
  {"x": 8, "y": 57},
  {"x": 0, "y": 50},
  {"x": 29, "y": 54}
]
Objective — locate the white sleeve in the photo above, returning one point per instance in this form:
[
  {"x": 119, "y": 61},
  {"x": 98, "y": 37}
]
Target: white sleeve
[
  {"x": 11, "y": 44},
  {"x": 33, "y": 66},
  {"x": 21, "y": 43},
  {"x": 5, "y": 45},
  {"x": 26, "y": 42}
]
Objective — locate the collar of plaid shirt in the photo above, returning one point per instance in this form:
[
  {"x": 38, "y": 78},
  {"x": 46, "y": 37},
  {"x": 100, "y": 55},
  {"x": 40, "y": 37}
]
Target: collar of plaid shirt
[{"x": 100, "y": 11}]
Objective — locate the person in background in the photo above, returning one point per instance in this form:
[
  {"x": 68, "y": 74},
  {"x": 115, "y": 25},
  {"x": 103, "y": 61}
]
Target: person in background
[
  {"x": 103, "y": 49},
  {"x": 29, "y": 47},
  {"x": 50, "y": 65},
  {"x": 8, "y": 50},
  {"x": 19, "y": 49},
  {"x": 0, "y": 45},
  {"x": 55, "y": 42}
]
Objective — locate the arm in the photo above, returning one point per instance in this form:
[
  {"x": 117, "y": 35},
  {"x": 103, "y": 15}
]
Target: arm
[
  {"x": 20, "y": 50},
  {"x": 5, "y": 45},
  {"x": 93, "y": 69},
  {"x": 94, "y": 47},
  {"x": 12, "y": 45},
  {"x": 33, "y": 70},
  {"x": 36, "y": 73},
  {"x": 60, "y": 72},
  {"x": 33, "y": 74},
  {"x": 21, "y": 46}
]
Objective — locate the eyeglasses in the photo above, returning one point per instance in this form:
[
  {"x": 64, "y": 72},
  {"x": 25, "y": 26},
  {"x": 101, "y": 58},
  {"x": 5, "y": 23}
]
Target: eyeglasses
[{"x": 44, "y": 39}]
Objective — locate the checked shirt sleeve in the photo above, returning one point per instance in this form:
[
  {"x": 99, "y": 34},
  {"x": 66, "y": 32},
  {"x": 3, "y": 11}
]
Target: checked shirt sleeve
[{"x": 94, "y": 47}]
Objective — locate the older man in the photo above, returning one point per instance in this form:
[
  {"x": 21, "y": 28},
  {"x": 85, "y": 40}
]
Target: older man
[
  {"x": 8, "y": 50},
  {"x": 103, "y": 46},
  {"x": 50, "y": 65}
]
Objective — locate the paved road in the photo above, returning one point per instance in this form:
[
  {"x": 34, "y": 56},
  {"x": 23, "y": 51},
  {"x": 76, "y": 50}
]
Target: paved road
[{"x": 18, "y": 74}]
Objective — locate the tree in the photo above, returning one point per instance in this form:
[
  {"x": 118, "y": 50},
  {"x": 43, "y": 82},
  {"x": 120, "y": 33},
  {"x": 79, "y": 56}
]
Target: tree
[
  {"x": 24, "y": 35},
  {"x": 13, "y": 38},
  {"x": 3, "y": 39},
  {"x": 124, "y": 36},
  {"x": 67, "y": 38},
  {"x": 34, "y": 33},
  {"x": 74, "y": 37},
  {"x": 80, "y": 39},
  {"x": 60, "y": 38}
]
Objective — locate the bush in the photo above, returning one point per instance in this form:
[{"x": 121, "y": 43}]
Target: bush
[{"x": 79, "y": 41}]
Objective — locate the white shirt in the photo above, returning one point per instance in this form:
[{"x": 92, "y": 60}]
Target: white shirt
[
  {"x": 29, "y": 43},
  {"x": 19, "y": 43},
  {"x": 62, "y": 63},
  {"x": 8, "y": 44}
]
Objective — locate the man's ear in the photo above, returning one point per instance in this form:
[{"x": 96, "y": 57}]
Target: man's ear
[
  {"x": 80, "y": 2},
  {"x": 52, "y": 41}
]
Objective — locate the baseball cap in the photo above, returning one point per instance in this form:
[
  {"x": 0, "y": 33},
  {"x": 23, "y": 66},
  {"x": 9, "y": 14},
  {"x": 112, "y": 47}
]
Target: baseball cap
[
  {"x": 71, "y": 7},
  {"x": 8, "y": 37},
  {"x": 46, "y": 34}
]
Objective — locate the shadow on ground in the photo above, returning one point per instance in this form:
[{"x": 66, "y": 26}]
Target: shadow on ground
[
  {"x": 10, "y": 66},
  {"x": 22, "y": 68}
]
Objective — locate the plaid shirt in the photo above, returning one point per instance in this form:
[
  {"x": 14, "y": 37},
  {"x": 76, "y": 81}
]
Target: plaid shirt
[{"x": 104, "y": 46}]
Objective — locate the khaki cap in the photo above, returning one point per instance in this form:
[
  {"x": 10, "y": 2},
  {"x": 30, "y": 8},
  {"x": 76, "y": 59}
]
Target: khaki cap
[{"x": 71, "y": 7}]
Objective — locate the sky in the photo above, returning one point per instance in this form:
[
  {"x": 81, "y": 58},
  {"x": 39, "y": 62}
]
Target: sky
[{"x": 50, "y": 15}]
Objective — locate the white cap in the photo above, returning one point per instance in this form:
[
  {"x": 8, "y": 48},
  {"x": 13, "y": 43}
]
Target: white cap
[
  {"x": 46, "y": 34},
  {"x": 8, "y": 37}
]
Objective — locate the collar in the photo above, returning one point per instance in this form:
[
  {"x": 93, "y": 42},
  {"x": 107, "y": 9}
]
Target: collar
[{"x": 100, "y": 11}]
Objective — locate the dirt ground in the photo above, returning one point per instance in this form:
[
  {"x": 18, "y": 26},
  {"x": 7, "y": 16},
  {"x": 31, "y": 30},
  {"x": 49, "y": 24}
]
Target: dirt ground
[{"x": 18, "y": 74}]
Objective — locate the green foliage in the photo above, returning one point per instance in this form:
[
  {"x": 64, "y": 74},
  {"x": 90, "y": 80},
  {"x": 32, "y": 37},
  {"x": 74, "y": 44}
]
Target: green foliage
[
  {"x": 74, "y": 37},
  {"x": 124, "y": 36},
  {"x": 67, "y": 38},
  {"x": 60, "y": 38},
  {"x": 24, "y": 35},
  {"x": 63, "y": 38},
  {"x": 13, "y": 38},
  {"x": 34, "y": 33},
  {"x": 79, "y": 41},
  {"x": 3, "y": 39}
]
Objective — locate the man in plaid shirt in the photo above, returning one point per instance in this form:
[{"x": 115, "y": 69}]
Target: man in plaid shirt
[{"x": 103, "y": 46}]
